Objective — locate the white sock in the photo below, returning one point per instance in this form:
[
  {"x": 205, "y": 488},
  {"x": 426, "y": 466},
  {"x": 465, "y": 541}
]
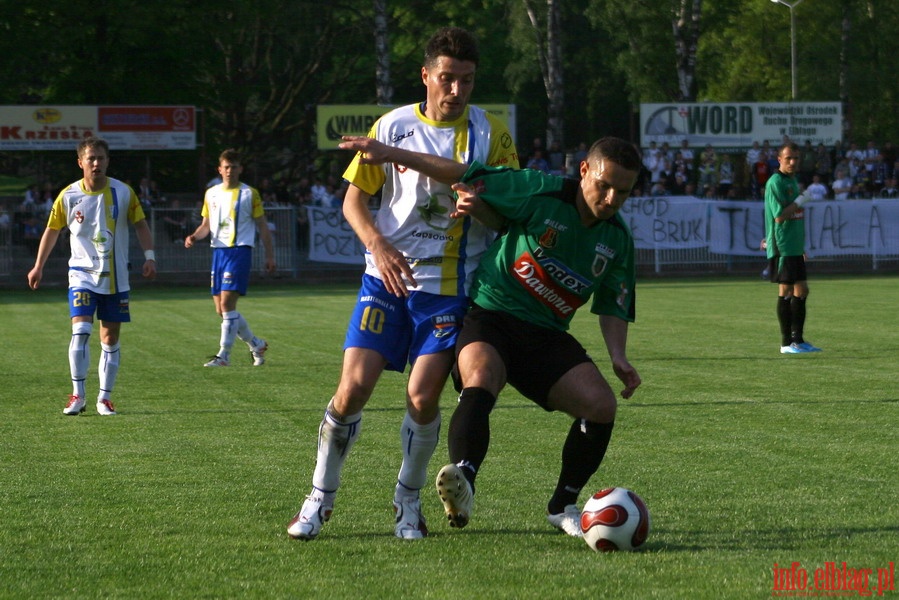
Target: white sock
[
  {"x": 229, "y": 331},
  {"x": 80, "y": 355},
  {"x": 418, "y": 443},
  {"x": 335, "y": 439},
  {"x": 245, "y": 333},
  {"x": 109, "y": 369}
]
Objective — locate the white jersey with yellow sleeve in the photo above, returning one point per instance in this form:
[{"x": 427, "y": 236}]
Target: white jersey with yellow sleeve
[
  {"x": 414, "y": 211},
  {"x": 232, "y": 215},
  {"x": 98, "y": 223}
]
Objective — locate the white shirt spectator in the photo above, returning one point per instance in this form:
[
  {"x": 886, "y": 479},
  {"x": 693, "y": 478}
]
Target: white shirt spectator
[
  {"x": 816, "y": 190},
  {"x": 841, "y": 187}
]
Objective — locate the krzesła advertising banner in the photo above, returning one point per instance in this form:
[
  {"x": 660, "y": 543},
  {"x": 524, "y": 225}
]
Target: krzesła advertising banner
[
  {"x": 863, "y": 227},
  {"x": 61, "y": 127},
  {"x": 737, "y": 125}
]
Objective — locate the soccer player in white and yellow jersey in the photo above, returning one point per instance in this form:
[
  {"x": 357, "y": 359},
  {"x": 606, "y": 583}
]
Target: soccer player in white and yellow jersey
[
  {"x": 97, "y": 211},
  {"x": 419, "y": 266},
  {"x": 232, "y": 212}
]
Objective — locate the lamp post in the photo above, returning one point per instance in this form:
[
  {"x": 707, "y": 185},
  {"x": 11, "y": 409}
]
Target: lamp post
[{"x": 791, "y": 4}]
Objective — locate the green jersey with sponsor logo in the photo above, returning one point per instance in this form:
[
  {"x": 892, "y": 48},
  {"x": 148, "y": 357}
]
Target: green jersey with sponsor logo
[
  {"x": 787, "y": 238},
  {"x": 548, "y": 264}
]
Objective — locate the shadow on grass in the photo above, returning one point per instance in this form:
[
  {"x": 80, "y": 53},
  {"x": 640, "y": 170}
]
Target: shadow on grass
[
  {"x": 767, "y": 402},
  {"x": 784, "y": 538}
]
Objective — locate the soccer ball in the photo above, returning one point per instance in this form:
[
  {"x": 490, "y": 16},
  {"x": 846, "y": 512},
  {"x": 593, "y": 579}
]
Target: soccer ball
[{"x": 615, "y": 519}]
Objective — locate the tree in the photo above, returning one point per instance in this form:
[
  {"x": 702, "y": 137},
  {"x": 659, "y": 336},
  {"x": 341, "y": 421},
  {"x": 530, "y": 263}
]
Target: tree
[
  {"x": 383, "y": 85},
  {"x": 257, "y": 69},
  {"x": 549, "y": 55},
  {"x": 260, "y": 76},
  {"x": 685, "y": 26}
]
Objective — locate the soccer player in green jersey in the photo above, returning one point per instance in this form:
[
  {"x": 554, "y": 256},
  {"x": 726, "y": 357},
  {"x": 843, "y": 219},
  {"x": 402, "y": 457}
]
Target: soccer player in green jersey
[
  {"x": 785, "y": 248},
  {"x": 565, "y": 243}
]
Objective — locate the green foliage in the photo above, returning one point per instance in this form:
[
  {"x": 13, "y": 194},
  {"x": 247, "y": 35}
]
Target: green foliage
[
  {"x": 746, "y": 457},
  {"x": 258, "y": 69}
]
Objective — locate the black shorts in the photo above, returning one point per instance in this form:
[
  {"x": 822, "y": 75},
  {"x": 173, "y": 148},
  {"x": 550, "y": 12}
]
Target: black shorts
[
  {"x": 787, "y": 269},
  {"x": 535, "y": 357}
]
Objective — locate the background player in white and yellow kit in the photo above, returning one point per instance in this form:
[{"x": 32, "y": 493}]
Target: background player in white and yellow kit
[
  {"x": 97, "y": 210},
  {"x": 232, "y": 212},
  {"x": 419, "y": 265}
]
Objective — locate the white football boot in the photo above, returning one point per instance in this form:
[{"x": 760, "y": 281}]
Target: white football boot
[
  {"x": 306, "y": 524},
  {"x": 456, "y": 495},
  {"x": 75, "y": 406},
  {"x": 410, "y": 523},
  {"x": 568, "y": 520},
  {"x": 105, "y": 408},
  {"x": 258, "y": 353}
]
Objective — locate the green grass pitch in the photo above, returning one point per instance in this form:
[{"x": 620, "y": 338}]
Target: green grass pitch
[{"x": 746, "y": 458}]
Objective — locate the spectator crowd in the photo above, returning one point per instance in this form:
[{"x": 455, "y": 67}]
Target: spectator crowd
[
  {"x": 844, "y": 171},
  {"x": 840, "y": 172}
]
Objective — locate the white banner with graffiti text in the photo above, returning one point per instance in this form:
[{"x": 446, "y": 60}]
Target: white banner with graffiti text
[
  {"x": 866, "y": 227},
  {"x": 331, "y": 239}
]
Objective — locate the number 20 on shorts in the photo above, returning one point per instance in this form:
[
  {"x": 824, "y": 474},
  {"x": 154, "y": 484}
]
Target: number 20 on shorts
[{"x": 81, "y": 299}]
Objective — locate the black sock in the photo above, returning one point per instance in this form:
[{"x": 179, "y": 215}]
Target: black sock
[
  {"x": 797, "y": 309},
  {"x": 469, "y": 430},
  {"x": 582, "y": 454},
  {"x": 784, "y": 317}
]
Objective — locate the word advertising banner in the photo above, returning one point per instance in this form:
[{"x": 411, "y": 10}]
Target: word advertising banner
[
  {"x": 737, "y": 125},
  {"x": 124, "y": 127}
]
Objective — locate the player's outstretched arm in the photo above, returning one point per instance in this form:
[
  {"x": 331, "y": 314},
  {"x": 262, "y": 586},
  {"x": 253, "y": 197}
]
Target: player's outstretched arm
[
  {"x": 468, "y": 203},
  {"x": 373, "y": 152}
]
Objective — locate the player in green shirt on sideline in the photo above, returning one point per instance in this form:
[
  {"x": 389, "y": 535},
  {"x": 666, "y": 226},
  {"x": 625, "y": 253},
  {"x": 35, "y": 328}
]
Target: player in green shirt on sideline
[
  {"x": 564, "y": 244},
  {"x": 785, "y": 248}
]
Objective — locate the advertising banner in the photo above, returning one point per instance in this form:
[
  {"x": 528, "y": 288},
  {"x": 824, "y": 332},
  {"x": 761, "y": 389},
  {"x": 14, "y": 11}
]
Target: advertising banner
[
  {"x": 737, "y": 125},
  {"x": 60, "y": 127},
  {"x": 336, "y": 120}
]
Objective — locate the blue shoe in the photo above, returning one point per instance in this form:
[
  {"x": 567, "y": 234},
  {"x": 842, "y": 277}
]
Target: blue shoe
[
  {"x": 806, "y": 347},
  {"x": 791, "y": 349}
]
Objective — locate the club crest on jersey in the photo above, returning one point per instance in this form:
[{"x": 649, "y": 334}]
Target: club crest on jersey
[
  {"x": 549, "y": 238},
  {"x": 79, "y": 217},
  {"x": 601, "y": 261},
  {"x": 443, "y": 325}
]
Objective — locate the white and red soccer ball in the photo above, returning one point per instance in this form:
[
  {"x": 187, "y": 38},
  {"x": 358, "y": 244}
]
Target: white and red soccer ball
[{"x": 615, "y": 519}]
